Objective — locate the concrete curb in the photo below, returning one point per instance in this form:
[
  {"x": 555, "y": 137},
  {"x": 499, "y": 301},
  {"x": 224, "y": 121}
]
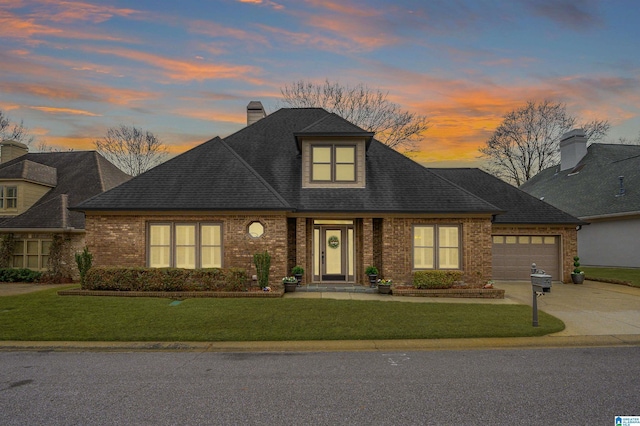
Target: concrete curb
[{"x": 631, "y": 340}]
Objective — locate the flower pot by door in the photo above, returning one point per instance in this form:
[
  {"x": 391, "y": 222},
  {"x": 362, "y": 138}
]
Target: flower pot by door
[
  {"x": 577, "y": 278},
  {"x": 373, "y": 279},
  {"x": 290, "y": 287},
  {"x": 384, "y": 288}
]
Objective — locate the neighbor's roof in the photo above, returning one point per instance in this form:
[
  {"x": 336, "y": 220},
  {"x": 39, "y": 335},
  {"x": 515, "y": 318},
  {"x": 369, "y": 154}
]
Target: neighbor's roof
[
  {"x": 73, "y": 177},
  {"x": 520, "y": 207},
  {"x": 592, "y": 188},
  {"x": 259, "y": 168}
]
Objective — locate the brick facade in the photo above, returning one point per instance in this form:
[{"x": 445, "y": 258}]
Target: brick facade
[
  {"x": 387, "y": 243},
  {"x": 120, "y": 240}
]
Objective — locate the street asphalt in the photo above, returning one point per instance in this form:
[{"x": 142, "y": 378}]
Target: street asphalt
[{"x": 594, "y": 313}]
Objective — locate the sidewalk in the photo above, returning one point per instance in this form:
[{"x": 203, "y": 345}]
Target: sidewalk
[{"x": 595, "y": 314}]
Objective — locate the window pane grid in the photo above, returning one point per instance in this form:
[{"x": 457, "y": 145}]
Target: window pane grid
[
  {"x": 31, "y": 254},
  {"x": 333, "y": 163},
  {"x": 436, "y": 245},
  {"x": 185, "y": 245}
]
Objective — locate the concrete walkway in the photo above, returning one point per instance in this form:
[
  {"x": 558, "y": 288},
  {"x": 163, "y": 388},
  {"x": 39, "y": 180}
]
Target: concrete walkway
[{"x": 595, "y": 314}]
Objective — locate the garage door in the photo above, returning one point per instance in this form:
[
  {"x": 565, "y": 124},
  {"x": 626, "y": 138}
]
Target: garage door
[{"x": 513, "y": 256}]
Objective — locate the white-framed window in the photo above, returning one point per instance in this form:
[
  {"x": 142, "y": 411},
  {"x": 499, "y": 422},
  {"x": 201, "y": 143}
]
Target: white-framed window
[
  {"x": 436, "y": 247},
  {"x": 333, "y": 163},
  {"x": 186, "y": 245},
  {"x": 8, "y": 197},
  {"x": 31, "y": 254}
]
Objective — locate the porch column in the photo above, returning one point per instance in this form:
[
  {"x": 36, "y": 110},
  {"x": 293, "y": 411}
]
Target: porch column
[
  {"x": 301, "y": 247},
  {"x": 367, "y": 245}
]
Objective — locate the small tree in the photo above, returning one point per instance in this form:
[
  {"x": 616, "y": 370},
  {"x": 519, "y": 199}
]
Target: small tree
[
  {"x": 10, "y": 130},
  {"x": 263, "y": 263},
  {"x": 133, "y": 150},
  {"x": 527, "y": 141},
  {"x": 84, "y": 260},
  {"x": 365, "y": 107}
]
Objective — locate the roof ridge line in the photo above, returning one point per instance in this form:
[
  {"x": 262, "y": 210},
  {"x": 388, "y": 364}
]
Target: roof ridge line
[
  {"x": 99, "y": 167},
  {"x": 256, "y": 174}
]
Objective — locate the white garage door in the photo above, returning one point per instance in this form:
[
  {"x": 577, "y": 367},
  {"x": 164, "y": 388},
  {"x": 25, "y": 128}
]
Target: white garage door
[{"x": 513, "y": 256}]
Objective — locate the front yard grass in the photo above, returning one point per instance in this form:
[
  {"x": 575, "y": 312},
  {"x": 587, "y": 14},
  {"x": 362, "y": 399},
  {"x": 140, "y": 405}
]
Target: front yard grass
[
  {"x": 630, "y": 275},
  {"x": 45, "y": 316}
]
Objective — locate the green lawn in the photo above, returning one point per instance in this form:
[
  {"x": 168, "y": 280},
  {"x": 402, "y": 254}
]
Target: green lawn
[
  {"x": 630, "y": 275},
  {"x": 46, "y": 316}
]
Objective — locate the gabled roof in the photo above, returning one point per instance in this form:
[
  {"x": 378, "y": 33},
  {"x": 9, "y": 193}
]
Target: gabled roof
[
  {"x": 259, "y": 168},
  {"x": 334, "y": 126},
  {"x": 592, "y": 188},
  {"x": 78, "y": 175},
  {"x": 519, "y": 207}
]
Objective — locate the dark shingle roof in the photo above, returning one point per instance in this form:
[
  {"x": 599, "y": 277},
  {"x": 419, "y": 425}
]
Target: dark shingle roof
[
  {"x": 211, "y": 176},
  {"x": 259, "y": 168},
  {"x": 519, "y": 206},
  {"x": 592, "y": 188},
  {"x": 79, "y": 175}
]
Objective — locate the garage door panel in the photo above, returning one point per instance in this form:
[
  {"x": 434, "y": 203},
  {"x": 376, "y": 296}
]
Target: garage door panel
[{"x": 513, "y": 256}]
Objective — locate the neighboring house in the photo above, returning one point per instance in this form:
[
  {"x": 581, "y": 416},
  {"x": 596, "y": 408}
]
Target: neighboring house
[
  {"x": 600, "y": 185},
  {"x": 35, "y": 191},
  {"x": 315, "y": 190}
]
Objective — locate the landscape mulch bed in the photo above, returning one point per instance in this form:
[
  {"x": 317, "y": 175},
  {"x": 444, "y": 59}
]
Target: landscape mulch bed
[
  {"x": 254, "y": 293},
  {"x": 478, "y": 293}
]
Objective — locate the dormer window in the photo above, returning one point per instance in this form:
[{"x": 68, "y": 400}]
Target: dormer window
[
  {"x": 8, "y": 197},
  {"x": 333, "y": 163}
]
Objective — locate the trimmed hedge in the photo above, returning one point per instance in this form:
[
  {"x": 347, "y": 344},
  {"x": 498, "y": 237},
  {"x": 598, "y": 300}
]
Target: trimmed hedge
[
  {"x": 21, "y": 275},
  {"x": 165, "y": 279},
  {"x": 436, "y": 279}
]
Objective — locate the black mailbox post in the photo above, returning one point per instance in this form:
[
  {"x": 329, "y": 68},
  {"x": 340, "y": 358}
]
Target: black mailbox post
[{"x": 540, "y": 284}]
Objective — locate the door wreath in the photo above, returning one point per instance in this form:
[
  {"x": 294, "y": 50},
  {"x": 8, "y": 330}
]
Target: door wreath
[{"x": 334, "y": 242}]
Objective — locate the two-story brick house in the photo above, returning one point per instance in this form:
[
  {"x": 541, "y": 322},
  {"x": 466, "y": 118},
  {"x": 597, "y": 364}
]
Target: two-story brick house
[
  {"x": 317, "y": 191},
  {"x": 36, "y": 190}
]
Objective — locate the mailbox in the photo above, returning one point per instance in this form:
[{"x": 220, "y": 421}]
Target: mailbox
[{"x": 541, "y": 283}]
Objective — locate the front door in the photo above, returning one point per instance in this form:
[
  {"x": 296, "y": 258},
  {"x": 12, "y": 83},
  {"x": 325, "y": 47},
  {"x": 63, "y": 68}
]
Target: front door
[
  {"x": 333, "y": 253},
  {"x": 333, "y": 267}
]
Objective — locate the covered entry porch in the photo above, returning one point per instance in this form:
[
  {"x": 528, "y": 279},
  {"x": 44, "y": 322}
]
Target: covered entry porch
[{"x": 335, "y": 251}]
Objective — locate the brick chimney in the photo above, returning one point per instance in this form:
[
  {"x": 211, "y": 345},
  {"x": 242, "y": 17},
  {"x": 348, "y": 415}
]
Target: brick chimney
[
  {"x": 573, "y": 146},
  {"x": 11, "y": 149},
  {"x": 255, "y": 112}
]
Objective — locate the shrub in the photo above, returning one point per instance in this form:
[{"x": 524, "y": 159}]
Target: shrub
[
  {"x": 84, "y": 261},
  {"x": 371, "y": 270},
  {"x": 11, "y": 275},
  {"x": 297, "y": 270},
  {"x": 436, "y": 279},
  {"x": 165, "y": 279},
  {"x": 263, "y": 263}
]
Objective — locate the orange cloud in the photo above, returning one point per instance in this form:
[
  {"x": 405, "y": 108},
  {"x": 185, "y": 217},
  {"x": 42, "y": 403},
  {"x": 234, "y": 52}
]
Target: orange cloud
[
  {"x": 183, "y": 70},
  {"x": 67, "y": 11},
  {"x": 15, "y": 27},
  {"x": 55, "y": 110}
]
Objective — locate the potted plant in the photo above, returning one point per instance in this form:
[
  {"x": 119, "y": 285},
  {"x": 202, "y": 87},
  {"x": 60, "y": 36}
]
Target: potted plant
[
  {"x": 290, "y": 284},
  {"x": 384, "y": 286},
  {"x": 372, "y": 272},
  {"x": 577, "y": 276},
  {"x": 297, "y": 271}
]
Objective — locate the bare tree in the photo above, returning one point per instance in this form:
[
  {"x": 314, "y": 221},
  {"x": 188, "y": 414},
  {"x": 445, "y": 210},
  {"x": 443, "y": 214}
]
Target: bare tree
[
  {"x": 527, "y": 140},
  {"x": 133, "y": 150},
  {"x": 10, "y": 130},
  {"x": 365, "y": 107}
]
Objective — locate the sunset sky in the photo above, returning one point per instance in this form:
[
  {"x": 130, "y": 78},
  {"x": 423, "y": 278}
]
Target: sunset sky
[{"x": 186, "y": 70}]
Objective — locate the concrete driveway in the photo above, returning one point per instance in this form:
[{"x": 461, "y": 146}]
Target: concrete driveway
[
  {"x": 11, "y": 289},
  {"x": 588, "y": 309}
]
